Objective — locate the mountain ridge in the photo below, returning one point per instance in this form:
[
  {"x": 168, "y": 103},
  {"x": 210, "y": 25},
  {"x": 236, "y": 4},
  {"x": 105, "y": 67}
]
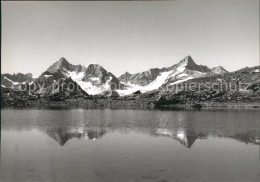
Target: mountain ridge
[
  {"x": 94, "y": 79},
  {"x": 162, "y": 77}
]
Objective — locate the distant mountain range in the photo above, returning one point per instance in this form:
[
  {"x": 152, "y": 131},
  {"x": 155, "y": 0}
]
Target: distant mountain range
[
  {"x": 8, "y": 80},
  {"x": 94, "y": 79}
]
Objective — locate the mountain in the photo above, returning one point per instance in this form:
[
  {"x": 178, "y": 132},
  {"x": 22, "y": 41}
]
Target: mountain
[
  {"x": 186, "y": 69},
  {"x": 219, "y": 70},
  {"x": 189, "y": 63},
  {"x": 155, "y": 78},
  {"x": 95, "y": 72},
  {"x": 239, "y": 88},
  {"x": 64, "y": 65},
  {"x": 143, "y": 78},
  {"x": 8, "y": 80},
  {"x": 94, "y": 79}
]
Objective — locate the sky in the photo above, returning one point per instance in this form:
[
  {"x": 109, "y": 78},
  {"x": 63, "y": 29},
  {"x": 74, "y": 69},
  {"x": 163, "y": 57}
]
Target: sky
[{"x": 129, "y": 36}]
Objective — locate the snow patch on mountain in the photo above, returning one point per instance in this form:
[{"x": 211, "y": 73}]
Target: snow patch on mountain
[
  {"x": 151, "y": 86},
  {"x": 185, "y": 70},
  {"x": 131, "y": 89},
  {"x": 75, "y": 76},
  {"x": 183, "y": 65},
  {"x": 94, "y": 89},
  {"x": 157, "y": 82},
  {"x": 92, "y": 86}
]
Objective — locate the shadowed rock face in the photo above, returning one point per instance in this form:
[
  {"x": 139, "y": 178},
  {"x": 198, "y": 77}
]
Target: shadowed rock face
[
  {"x": 94, "y": 70},
  {"x": 64, "y": 64},
  {"x": 143, "y": 78},
  {"x": 97, "y": 71},
  {"x": 125, "y": 77}
]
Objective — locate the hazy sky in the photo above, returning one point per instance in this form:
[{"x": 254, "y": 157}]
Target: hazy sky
[{"x": 129, "y": 36}]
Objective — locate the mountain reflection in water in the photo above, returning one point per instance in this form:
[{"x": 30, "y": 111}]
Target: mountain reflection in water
[
  {"x": 62, "y": 135},
  {"x": 129, "y": 145},
  {"x": 185, "y": 127},
  {"x": 185, "y": 137}
]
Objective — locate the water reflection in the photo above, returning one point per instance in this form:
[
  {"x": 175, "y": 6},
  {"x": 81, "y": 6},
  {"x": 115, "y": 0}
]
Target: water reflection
[
  {"x": 184, "y": 127},
  {"x": 188, "y": 137},
  {"x": 129, "y": 145},
  {"x": 248, "y": 137},
  {"x": 185, "y": 137},
  {"x": 62, "y": 135}
]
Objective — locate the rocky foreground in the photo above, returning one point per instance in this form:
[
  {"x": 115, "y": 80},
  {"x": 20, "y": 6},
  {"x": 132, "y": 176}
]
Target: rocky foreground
[{"x": 236, "y": 89}]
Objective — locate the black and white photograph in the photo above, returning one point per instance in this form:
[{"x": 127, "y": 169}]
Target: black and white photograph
[{"x": 130, "y": 91}]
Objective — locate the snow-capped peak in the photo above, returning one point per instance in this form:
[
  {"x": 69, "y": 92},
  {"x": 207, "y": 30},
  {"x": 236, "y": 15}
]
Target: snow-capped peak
[{"x": 155, "y": 78}]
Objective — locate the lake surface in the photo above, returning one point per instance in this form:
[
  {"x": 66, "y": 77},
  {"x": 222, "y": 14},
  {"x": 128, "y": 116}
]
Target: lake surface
[{"x": 118, "y": 145}]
